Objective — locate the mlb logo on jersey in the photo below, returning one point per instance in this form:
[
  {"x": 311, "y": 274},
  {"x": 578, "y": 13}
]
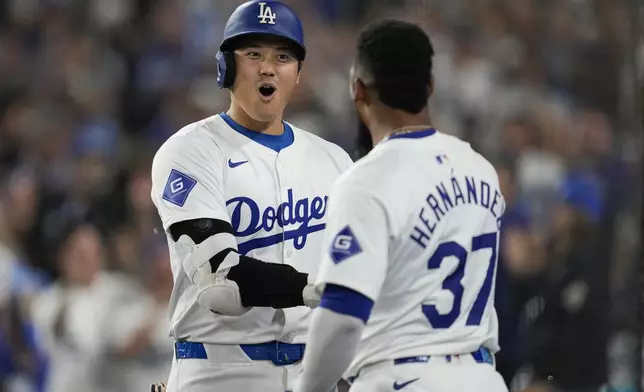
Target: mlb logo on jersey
[
  {"x": 178, "y": 188},
  {"x": 442, "y": 158},
  {"x": 344, "y": 246},
  {"x": 266, "y": 15}
]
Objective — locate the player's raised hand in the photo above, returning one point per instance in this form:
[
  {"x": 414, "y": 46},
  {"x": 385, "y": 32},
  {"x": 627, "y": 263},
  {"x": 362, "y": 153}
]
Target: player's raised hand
[{"x": 157, "y": 387}]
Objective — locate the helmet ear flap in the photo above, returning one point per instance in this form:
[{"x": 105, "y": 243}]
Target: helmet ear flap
[{"x": 226, "y": 69}]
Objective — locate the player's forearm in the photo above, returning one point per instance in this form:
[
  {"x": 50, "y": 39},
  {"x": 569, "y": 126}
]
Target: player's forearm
[
  {"x": 230, "y": 283},
  {"x": 333, "y": 339},
  {"x": 268, "y": 284},
  {"x": 260, "y": 284}
]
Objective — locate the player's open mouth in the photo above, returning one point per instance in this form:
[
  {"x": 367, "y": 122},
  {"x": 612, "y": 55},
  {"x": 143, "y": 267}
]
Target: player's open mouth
[{"x": 267, "y": 90}]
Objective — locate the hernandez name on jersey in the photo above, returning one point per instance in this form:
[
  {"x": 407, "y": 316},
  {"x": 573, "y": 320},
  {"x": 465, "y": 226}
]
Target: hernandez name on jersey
[{"x": 440, "y": 202}]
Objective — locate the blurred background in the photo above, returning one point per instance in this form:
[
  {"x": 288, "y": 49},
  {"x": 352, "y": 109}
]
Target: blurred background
[{"x": 549, "y": 90}]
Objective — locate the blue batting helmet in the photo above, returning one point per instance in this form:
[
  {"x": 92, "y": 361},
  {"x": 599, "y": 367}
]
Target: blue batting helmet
[{"x": 257, "y": 18}]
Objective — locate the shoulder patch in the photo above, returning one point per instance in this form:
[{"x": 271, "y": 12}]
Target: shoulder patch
[
  {"x": 344, "y": 246},
  {"x": 178, "y": 188}
]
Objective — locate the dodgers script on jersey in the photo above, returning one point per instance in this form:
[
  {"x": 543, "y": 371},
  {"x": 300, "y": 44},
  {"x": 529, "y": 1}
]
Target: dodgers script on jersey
[
  {"x": 414, "y": 227},
  {"x": 271, "y": 189}
]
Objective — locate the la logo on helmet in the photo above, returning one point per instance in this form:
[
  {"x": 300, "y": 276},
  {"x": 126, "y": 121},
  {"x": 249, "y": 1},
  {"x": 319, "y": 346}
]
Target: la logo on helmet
[{"x": 266, "y": 15}]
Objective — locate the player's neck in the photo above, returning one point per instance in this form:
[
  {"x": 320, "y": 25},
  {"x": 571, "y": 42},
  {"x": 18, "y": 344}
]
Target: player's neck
[
  {"x": 238, "y": 115},
  {"x": 397, "y": 121}
]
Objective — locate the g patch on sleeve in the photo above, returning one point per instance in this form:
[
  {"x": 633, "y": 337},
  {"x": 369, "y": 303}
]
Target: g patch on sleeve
[
  {"x": 178, "y": 188},
  {"x": 344, "y": 246}
]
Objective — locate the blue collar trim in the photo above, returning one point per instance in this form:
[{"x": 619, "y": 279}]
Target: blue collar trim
[
  {"x": 414, "y": 135},
  {"x": 274, "y": 142}
]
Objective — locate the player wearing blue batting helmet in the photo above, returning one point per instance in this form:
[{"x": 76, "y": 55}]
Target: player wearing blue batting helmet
[
  {"x": 223, "y": 186},
  {"x": 259, "y": 60}
]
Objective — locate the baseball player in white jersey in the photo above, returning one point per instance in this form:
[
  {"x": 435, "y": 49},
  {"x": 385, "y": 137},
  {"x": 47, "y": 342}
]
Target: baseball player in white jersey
[
  {"x": 411, "y": 242},
  {"x": 242, "y": 196}
]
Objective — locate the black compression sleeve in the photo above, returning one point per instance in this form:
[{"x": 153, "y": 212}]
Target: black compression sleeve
[
  {"x": 268, "y": 284},
  {"x": 260, "y": 284}
]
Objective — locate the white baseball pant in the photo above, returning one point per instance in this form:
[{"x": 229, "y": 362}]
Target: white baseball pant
[
  {"x": 438, "y": 374},
  {"x": 229, "y": 368}
]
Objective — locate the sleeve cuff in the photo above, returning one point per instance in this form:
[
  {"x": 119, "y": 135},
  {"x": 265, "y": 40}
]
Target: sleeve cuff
[{"x": 344, "y": 300}]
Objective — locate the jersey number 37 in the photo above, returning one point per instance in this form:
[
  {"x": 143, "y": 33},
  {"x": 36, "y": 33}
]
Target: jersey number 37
[{"x": 454, "y": 283}]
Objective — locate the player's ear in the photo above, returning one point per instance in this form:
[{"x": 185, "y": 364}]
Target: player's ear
[
  {"x": 359, "y": 91},
  {"x": 352, "y": 82},
  {"x": 356, "y": 87},
  {"x": 352, "y": 90}
]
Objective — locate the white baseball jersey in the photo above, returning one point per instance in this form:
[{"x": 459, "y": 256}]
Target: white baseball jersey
[
  {"x": 414, "y": 227},
  {"x": 272, "y": 190}
]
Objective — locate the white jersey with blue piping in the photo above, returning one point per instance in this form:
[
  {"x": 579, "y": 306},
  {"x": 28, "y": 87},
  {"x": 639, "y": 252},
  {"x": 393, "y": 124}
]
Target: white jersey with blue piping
[
  {"x": 273, "y": 191},
  {"x": 413, "y": 227}
]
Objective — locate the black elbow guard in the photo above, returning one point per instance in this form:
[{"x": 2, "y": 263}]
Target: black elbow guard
[
  {"x": 200, "y": 229},
  {"x": 268, "y": 284}
]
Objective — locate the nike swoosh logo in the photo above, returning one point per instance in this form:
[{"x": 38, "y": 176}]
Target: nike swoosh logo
[
  {"x": 398, "y": 387},
  {"x": 232, "y": 164}
]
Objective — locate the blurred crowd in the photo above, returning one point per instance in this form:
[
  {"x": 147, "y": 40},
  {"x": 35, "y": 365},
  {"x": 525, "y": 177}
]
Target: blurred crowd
[{"x": 90, "y": 88}]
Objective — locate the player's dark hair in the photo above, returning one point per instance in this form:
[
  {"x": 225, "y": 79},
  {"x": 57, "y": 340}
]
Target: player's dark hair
[{"x": 397, "y": 57}]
